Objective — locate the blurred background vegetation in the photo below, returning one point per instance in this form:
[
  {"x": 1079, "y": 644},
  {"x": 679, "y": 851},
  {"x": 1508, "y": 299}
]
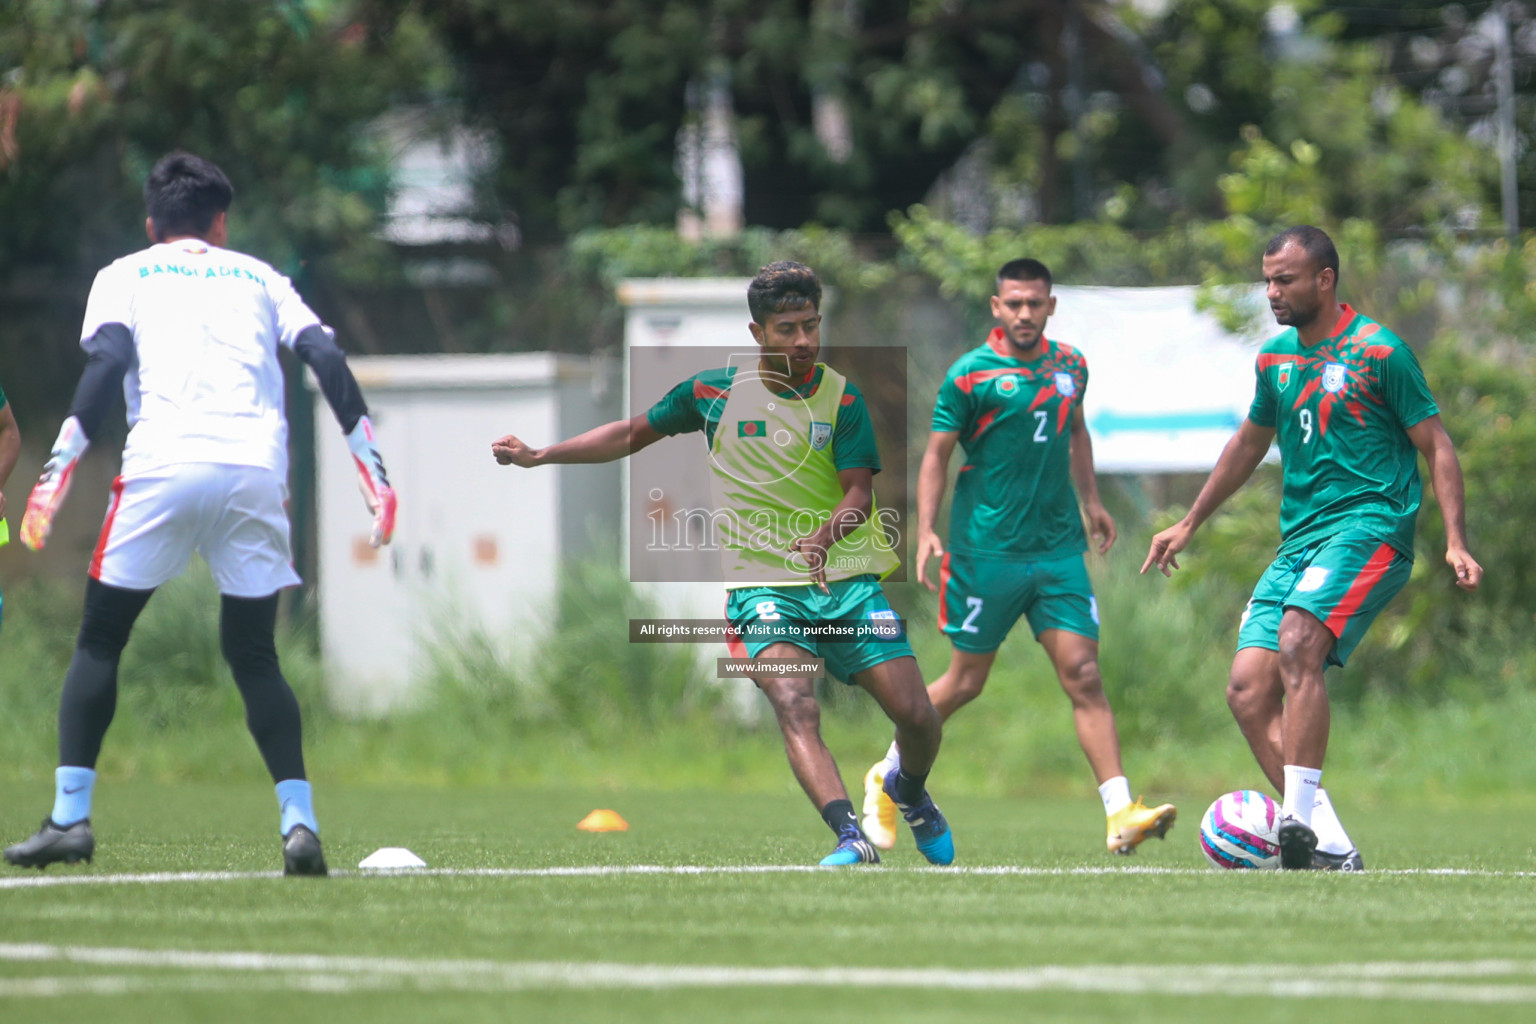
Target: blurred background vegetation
[{"x": 905, "y": 149}]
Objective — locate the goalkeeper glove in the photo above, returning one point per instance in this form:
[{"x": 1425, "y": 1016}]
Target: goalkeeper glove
[
  {"x": 52, "y": 487},
  {"x": 373, "y": 481}
]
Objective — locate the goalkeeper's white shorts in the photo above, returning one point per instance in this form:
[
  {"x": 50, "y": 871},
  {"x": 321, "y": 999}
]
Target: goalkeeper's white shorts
[{"x": 236, "y": 517}]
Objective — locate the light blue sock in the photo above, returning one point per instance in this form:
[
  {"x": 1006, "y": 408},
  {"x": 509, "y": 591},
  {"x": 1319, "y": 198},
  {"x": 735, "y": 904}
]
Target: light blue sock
[
  {"x": 72, "y": 794},
  {"x": 293, "y": 797}
]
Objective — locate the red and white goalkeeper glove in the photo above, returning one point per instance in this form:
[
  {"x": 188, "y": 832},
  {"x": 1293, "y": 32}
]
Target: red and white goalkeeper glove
[
  {"x": 373, "y": 481},
  {"x": 52, "y": 487}
]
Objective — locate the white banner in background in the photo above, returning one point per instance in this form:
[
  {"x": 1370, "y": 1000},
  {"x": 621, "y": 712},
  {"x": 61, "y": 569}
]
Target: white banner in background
[{"x": 1167, "y": 384}]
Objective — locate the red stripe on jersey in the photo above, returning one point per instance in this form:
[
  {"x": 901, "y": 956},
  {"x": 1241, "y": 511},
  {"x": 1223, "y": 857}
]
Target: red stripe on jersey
[
  {"x": 1346, "y": 317},
  {"x": 967, "y": 381},
  {"x": 1307, "y": 392},
  {"x": 1375, "y": 568},
  {"x": 966, "y": 469},
  {"x": 847, "y": 400},
  {"x": 1377, "y": 351},
  {"x": 1062, "y": 414},
  {"x": 983, "y": 423},
  {"x": 733, "y": 641},
  {"x": 1041, "y": 397},
  {"x": 106, "y": 529},
  {"x": 943, "y": 590},
  {"x": 702, "y": 390},
  {"x": 1367, "y": 331}
]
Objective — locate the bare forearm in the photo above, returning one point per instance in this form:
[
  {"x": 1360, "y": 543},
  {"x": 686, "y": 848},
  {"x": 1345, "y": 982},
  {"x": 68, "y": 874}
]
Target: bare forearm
[
  {"x": 600, "y": 444},
  {"x": 931, "y": 480},
  {"x": 850, "y": 514},
  {"x": 1238, "y": 460},
  {"x": 1450, "y": 493}
]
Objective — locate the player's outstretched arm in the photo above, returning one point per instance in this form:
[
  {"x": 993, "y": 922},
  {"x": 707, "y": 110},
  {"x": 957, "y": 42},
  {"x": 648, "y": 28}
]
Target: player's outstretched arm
[
  {"x": 10, "y": 448},
  {"x": 1429, "y": 437},
  {"x": 108, "y": 354},
  {"x": 932, "y": 478},
  {"x": 317, "y": 347},
  {"x": 600, "y": 444},
  {"x": 1100, "y": 523},
  {"x": 1238, "y": 460}
]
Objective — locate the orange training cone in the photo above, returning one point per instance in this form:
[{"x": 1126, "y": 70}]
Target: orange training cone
[{"x": 603, "y": 821}]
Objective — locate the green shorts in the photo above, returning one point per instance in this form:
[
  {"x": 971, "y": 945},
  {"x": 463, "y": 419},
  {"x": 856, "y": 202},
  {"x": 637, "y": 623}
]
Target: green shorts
[
  {"x": 1345, "y": 582},
  {"x": 981, "y": 598},
  {"x": 801, "y": 615}
]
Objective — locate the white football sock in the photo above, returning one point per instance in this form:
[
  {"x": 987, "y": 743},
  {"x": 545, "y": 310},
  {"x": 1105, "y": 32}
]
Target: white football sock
[
  {"x": 1300, "y": 792},
  {"x": 892, "y": 757},
  {"x": 1116, "y": 794},
  {"x": 1331, "y": 837}
]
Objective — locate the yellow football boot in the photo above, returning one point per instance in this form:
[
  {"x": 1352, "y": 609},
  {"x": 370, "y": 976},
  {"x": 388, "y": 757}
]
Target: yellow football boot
[
  {"x": 1131, "y": 824},
  {"x": 879, "y": 820}
]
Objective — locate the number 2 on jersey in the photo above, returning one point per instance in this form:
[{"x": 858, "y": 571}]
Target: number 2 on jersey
[{"x": 1040, "y": 417}]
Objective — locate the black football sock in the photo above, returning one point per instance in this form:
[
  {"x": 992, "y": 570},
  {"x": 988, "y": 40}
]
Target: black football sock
[
  {"x": 910, "y": 788},
  {"x": 89, "y": 699},
  {"x": 246, "y": 627},
  {"x": 839, "y": 813}
]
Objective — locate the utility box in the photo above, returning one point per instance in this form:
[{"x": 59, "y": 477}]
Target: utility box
[
  {"x": 678, "y": 326},
  {"x": 477, "y": 546}
]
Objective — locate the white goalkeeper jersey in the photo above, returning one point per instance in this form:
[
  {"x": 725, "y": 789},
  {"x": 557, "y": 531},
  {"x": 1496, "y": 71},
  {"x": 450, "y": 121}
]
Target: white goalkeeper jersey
[{"x": 206, "y": 385}]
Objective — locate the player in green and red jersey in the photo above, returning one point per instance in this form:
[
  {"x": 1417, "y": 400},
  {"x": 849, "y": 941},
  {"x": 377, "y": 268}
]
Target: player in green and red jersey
[
  {"x": 1016, "y": 538},
  {"x": 792, "y": 456},
  {"x": 1347, "y": 401},
  {"x": 10, "y": 451}
]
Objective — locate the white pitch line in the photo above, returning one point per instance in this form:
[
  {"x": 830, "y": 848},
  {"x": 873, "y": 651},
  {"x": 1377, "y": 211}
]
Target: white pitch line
[
  {"x": 1386, "y": 980},
  {"x": 42, "y": 881}
]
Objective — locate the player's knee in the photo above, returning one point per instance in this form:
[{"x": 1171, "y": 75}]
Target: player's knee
[
  {"x": 1082, "y": 682},
  {"x": 1242, "y": 695},
  {"x": 796, "y": 709},
  {"x": 1303, "y": 652},
  {"x": 108, "y": 619},
  {"x": 246, "y": 652},
  {"x": 968, "y": 683}
]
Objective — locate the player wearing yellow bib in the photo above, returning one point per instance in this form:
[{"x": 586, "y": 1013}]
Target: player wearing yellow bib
[
  {"x": 1016, "y": 540},
  {"x": 792, "y": 456},
  {"x": 1347, "y": 403},
  {"x": 10, "y": 451}
]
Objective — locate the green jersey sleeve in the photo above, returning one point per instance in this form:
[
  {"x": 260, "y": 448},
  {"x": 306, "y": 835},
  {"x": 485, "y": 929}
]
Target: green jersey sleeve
[
  {"x": 1266, "y": 405},
  {"x": 853, "y": 440},
  {"x": 1402, "y": 380},
  {"x": 954, "y": 408},
  {"x": 677, "y": 412}
]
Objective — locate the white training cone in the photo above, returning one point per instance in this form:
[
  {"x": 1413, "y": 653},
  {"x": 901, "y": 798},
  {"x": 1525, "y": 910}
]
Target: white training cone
[{"x": 392, "y": 857}]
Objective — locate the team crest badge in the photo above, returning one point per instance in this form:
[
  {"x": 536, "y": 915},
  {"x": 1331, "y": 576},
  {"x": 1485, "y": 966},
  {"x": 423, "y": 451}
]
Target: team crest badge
[
  {"x": 1007, "y": 385},
  {"x": 821, "y": 433},
  {"x": 1283, "y": 375},
  {"x": 1334, "y": 378},
  {"x": 1066, "y": 385}
]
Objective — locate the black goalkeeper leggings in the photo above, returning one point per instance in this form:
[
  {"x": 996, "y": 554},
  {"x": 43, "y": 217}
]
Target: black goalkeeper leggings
[{"x": 246, "y": 628}]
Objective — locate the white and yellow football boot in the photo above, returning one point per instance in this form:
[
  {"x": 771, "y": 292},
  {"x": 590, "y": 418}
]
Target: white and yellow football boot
[
  {"x": 879, "y": 819},
  {"x": 1134, "y": 822}
]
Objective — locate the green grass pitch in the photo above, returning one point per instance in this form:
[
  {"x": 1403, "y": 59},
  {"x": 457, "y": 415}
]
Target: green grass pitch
[{"x": 522, "y": 917}]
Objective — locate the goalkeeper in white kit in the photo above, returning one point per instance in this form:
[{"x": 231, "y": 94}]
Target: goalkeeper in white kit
[{"x": 190, "y": 331}]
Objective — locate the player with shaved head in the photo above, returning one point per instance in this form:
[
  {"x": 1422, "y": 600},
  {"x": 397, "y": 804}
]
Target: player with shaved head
[{"x": 1347, "y": 402}]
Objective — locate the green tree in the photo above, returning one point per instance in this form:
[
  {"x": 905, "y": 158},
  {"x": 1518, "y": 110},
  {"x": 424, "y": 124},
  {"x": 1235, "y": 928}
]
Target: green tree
[{"x": 280, "y": 94}]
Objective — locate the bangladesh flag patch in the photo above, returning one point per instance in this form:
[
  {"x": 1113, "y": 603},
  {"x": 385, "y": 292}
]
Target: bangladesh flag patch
[{"x": 752, "y": 428}]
